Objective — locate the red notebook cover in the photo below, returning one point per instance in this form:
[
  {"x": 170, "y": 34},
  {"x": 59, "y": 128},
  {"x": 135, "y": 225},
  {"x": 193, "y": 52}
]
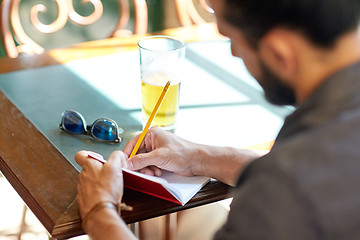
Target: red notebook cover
[{"x": 147, "y": 186}]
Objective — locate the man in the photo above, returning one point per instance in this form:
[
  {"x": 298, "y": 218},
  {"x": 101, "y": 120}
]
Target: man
[{"x": 302, "y": 52}]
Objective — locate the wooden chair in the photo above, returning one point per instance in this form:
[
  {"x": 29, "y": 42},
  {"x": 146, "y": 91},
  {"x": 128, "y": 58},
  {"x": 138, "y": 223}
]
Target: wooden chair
[
  {"x": 16, "y": 40},
  {"x": 191, "y": 12}
]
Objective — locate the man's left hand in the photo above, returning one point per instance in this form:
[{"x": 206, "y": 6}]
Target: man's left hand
[{"x": 99, "y": 182}]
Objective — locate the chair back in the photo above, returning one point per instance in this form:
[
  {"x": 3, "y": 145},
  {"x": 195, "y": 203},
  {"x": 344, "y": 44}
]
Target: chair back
[
  {"x": 191, "y": 12},
  {"x": 17, "y": 40}
]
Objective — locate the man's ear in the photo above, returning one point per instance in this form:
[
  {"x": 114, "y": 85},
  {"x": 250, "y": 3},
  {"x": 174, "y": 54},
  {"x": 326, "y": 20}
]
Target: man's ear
[{"x": 278, "y": 52}]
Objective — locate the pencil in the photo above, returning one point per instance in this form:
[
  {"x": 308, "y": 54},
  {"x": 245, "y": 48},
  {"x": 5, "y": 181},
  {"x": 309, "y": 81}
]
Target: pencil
[{"x": 151, "y": 118}]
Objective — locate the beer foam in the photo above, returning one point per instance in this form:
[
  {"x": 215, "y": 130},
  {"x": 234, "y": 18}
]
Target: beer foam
[{"x": 160, "y": 79}]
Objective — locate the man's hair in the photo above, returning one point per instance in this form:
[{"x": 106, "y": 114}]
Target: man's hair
[{"x": 321, "y": 21}]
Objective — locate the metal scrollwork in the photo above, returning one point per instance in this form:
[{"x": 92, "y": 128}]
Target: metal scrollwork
[
  {"x": 58, "y": 24},
  {"x": 65, "y": 11},
  {"x": 188, "y": 13},
  {"x": 11, "y": 24},
  {"x": 26, "y": 44},
  {"x": 77, "y": 18}
]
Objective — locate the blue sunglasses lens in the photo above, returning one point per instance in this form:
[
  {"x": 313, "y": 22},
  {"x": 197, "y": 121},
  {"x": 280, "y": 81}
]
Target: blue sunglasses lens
[
  {"x": 104, "y": 130},
  {"x": 73, "y": 123}
]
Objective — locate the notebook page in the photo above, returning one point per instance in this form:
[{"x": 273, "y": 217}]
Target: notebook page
[{"x": 184, "y": 187}]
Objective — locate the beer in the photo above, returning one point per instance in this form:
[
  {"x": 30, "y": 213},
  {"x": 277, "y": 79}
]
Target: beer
[
  {"x": 161, "y": 60},
  {"x": 151, "y": 88}
]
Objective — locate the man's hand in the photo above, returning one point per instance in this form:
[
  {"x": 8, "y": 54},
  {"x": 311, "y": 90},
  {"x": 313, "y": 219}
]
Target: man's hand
[
  {"x": 162, "y": 150},
  {"x": 99, "y": 182}
]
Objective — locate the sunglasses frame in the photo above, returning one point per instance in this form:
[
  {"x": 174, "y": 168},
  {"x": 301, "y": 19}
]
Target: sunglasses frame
[{"x": 88, "y": 129}]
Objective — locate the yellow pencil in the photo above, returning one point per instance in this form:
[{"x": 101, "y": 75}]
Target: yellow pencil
[{"x": 151, "y": 118}]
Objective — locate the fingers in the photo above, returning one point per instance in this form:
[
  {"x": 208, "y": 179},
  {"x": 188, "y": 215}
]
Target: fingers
[
  {"x": 84, "y": 161},
  {"x": 157, "y": 171},
  {"x": 80, "y": 157},
  {"x": 147, "y": 143},
  {"x": 130, "y": 145},
  {"x": 117, "y": 159},
  {"x": 151, "y": 170},
  {"x": 140, "y": 161},
  {"x": 147, "y": 171}
]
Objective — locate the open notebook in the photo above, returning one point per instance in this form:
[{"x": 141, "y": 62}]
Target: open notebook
[{"x": 169, "y": 186}]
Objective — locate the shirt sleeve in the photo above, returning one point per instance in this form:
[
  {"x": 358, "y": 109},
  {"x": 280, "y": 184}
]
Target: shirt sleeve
[{"x": 267, "y": 205}]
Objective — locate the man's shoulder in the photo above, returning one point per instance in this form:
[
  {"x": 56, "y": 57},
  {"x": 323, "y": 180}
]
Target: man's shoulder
[{"x": 324, "y": 171}]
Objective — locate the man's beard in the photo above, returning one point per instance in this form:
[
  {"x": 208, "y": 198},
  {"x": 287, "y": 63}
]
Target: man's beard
[{"x": 276, "y": 91}]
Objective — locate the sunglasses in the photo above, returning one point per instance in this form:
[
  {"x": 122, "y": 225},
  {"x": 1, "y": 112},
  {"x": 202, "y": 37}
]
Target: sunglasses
[{"x": 103, "y": 129}]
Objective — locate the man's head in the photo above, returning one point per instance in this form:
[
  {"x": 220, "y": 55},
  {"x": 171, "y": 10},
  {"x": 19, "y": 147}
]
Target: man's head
[
  {"x": 321, "y": 21},
  {"x": 276, "y": 38}
]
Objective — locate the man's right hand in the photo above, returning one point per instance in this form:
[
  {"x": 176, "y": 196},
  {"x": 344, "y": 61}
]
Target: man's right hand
[{"x": 162, "y": 150}]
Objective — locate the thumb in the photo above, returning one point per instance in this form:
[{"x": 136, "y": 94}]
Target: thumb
[{"x": 81, "y": 158}]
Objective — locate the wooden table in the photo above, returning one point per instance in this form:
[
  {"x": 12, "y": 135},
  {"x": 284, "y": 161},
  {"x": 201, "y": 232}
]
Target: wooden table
[{"x": 37, "y": 170}]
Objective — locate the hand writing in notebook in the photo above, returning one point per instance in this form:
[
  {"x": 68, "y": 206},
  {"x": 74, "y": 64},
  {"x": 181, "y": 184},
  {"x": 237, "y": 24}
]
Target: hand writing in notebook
[{"x": 164, "y": 150}]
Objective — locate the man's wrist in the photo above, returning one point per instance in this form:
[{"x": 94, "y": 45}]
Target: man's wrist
[
  {"x": 107, "y": 224},
  {"x": 200, "y": 160},
  {"x": 221, "y": 163},
  {"x": 101, "y": 206},
  {"x": 96, "y": 210}
]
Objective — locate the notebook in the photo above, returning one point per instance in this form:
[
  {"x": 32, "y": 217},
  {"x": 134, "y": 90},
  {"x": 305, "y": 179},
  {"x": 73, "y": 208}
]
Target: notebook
[{"x": 169, "y": 186}]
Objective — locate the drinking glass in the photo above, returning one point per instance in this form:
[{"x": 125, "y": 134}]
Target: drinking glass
[{"x": 161, "y": 60}]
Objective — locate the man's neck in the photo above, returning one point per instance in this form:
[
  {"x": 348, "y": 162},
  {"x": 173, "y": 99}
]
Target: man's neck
[{"x": 322, "y": 63}]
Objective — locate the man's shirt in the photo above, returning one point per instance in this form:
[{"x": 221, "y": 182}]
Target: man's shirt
[{"x": 308, "y": 186}]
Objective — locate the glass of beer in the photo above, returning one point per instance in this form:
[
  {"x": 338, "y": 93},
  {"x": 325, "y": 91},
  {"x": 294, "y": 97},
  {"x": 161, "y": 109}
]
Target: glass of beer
[{"x": 161, "y": 60}]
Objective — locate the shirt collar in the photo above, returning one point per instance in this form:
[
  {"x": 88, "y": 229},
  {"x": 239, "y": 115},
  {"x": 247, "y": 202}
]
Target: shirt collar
[{"x": 339, "y": 92}]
